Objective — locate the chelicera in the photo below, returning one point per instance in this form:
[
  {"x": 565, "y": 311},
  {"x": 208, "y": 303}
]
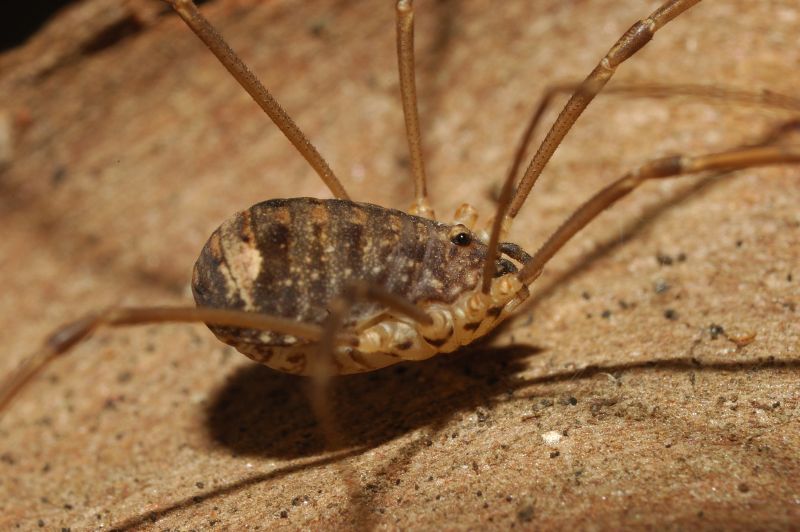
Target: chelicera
[{"x": 325, "y": 287}]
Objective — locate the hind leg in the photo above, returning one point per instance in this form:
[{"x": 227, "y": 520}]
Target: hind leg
[
  {"x": 71, "y": 334},
  {"x": 321, "y": 367},
  {"x": 663, "y": 168}
]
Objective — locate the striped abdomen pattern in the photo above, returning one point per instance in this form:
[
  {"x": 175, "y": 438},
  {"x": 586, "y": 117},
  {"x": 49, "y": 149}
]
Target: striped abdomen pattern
[{"x": 291, "y": 257}]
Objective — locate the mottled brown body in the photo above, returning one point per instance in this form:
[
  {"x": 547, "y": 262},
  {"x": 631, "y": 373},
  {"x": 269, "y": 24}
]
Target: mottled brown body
[{"x": 291, "y": 257}]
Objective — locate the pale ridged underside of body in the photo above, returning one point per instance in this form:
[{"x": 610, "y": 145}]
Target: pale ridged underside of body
[{"x": 396, "y": 339}]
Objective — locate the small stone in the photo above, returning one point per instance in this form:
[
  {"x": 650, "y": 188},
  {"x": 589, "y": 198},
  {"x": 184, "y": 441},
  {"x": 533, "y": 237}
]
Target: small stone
[
  {"x": 661, "y": 286},
  {"x": 552, "y": 437},
  {"x": 664, "y": 259},
  {"x": 715, "y": 331},
  {"x": 525, "y": 515},
  {"x": 568, "y": 400}
]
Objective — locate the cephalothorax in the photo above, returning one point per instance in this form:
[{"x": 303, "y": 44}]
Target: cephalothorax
[{"x": 324, "y": 287}]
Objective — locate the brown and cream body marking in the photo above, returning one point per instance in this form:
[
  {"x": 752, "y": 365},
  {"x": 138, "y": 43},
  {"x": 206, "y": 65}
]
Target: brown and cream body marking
[{"x": 292, "y": 257}]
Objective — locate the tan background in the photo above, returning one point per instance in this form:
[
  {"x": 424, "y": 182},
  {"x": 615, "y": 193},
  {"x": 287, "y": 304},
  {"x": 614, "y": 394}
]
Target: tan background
[{"x": 130, "y": 145}]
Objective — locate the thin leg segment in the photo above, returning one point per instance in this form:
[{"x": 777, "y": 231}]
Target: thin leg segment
[
  {"x": 510, "y": 202},
  {"x": 213, "y": 40},
  {"x": 322, "y": 368},
  {"x": 408, "y": 92},
  {"x": 650, "y": 90},
  {"x": 632, "y": 41},
  {"x": 66, "y": 337},
  {"x": 71, "y": 334},
  {"x": 322, "y": 365},
  {"x": 338, "y": 309},
  {"x": 656, "y": 169}
]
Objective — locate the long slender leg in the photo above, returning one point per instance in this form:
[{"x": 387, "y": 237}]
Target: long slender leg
[
  {"x": 501, "y": 224},
  {"x": 510, "y": 202},
  {"x": 649, "y": 90},
  {"x": 656, "y": 169},
  {"x": 408, "y": 92},
  {"x": 633, "y": 40},
  {"x": 322, "y": 365},
  {"x": 67, "y": 336},
  {"x": 213, "y": 40}
]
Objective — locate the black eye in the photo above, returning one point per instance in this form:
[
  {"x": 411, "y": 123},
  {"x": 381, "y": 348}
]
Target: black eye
[{"x": 461, "y": 239}]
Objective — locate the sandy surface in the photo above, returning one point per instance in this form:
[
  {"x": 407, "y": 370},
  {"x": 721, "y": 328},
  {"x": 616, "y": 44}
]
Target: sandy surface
[{"x": 612, "y": 401}]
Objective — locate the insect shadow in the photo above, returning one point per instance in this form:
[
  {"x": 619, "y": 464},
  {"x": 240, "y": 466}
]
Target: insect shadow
[
  {"x": 379, "y": 407},
  {"x": 427, "y": 393},
  {"x": 265, "y": 413}
]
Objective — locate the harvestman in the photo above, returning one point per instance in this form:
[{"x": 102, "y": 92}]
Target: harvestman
[{"x": 326, "y": 287}]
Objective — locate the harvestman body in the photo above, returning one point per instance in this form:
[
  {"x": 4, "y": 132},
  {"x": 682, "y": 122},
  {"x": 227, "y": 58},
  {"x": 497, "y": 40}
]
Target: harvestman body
[
  {"x": 293, "y": 257},
  {"x": 325, "y": 287}
]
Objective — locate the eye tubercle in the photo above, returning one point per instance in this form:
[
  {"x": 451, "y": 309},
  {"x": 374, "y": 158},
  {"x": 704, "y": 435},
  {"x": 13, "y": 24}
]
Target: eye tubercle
[{"x": 461, "y": 239}]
